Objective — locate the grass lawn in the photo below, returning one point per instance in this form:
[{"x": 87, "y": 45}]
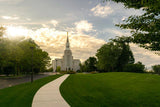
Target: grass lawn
[
  {"x": 115, "y": 89},
  {"x": 22, "y": 95}
]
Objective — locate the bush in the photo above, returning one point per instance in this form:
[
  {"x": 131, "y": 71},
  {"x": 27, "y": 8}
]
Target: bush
[
  {"x": 94, "y": 72},
  {"x": 137, "y": 67},
  {"x": 79, "y": 71},
  {"x": 63, "y": 72},
  {"x": 71, "y": 72},
  {"x": 156, "y": 69},
  {"x": 67, "y": 72}
]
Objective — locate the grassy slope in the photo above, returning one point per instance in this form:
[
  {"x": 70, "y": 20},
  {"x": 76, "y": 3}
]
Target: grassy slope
[
  {"x": 117, "y": 89},
  {"x": 22, "y": 95}
]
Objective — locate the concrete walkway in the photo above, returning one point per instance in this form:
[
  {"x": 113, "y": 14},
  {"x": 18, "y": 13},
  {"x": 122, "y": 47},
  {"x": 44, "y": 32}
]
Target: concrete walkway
[{"x": 49, "y": 95}]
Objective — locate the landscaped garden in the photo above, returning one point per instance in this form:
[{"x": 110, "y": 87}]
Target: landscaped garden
[
  {"x": 22, "y": 95},
  {"x": 114, "y": 89}
]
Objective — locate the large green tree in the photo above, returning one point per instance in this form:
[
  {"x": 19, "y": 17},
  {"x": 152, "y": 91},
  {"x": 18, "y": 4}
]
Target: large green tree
[
  {"x": 145, "y": 28},
  {"x": 33, "y": 56},
  {"x": 20, "y": 55},
  {"x": 113, "y": 56}
]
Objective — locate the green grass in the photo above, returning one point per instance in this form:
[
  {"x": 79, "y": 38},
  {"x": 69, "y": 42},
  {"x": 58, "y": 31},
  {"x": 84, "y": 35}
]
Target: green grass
[
  {"x": 22, "y": 95},
  {"x": 116, "y": 89}
]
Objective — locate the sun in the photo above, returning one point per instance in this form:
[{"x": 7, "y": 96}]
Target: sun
[{"x": 14, "y": 32}]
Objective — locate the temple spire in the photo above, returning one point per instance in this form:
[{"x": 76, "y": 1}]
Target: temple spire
[
  {"x": 67, "y": 43},
  {"x": 67, "y": 37}
]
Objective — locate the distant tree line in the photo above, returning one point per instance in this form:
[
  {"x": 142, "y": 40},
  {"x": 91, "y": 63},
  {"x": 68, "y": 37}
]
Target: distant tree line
[{"x": 20, "y": 56}]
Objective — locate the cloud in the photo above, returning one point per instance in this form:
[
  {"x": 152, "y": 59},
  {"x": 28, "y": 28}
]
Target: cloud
[
  {"x": 102, "y": 11},
  {"x": 48, "y": 23},
  {"x": 54, "y": 22},
  {"x": 124, "y": 18},
  {"x": 83, "y": 25},
  {"x": 28, "y": 19},
  {"x": 11, "y": 1},
  {"x": 53, "y": 41},
  {"x": 10, "y": 17},
  {"x": 147, "y": 57},
  {"x": 116, "y": 32},
  {"x": 45, "y": 25}
]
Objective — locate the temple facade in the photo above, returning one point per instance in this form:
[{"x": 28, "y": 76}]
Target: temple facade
[{"x": 67, "y": 62}]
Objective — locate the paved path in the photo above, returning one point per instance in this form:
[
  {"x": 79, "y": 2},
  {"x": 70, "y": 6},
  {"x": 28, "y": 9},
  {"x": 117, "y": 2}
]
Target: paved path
[{"x": 49, "y": 95}]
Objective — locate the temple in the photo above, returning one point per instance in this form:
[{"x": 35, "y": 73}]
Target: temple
[{"x": 67, "y": 62}]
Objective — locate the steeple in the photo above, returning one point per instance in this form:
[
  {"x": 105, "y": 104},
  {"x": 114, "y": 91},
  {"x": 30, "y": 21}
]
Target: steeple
[
  {"x": 67, "y": 38},
  {"x": 67, "y": 43}
]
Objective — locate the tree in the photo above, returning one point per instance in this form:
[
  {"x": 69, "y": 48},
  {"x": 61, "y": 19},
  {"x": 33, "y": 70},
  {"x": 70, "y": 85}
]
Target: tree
[
  {"x": 137, "y": 67},
  {"x": 89, "y": 65},
  {"x": 40, "y": 58},
  {"x": 4, "y": 53},
  {"x": 145, "y": 28},
  {"x": 83, "y": 67},
  {"x": 107, "y": 56},
  {"x": 16, "y": 57},
  {"x": 113, "y": 56},
  {"x": 126, "y": 53},
  {"x": 156, "y": 69}
]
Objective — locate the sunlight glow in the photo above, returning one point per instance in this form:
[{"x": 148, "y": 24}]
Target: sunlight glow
[{"x": 13, "y": 32}]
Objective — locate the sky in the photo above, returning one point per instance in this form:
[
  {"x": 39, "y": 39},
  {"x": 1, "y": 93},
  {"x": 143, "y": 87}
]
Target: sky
[{"x": 90, "y": 23}]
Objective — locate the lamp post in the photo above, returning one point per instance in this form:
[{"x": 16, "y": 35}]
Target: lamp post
[{"x": 32, "y": 64}]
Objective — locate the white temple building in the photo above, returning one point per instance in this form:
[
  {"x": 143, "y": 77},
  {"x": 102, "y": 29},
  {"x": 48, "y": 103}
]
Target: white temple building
[{"x": 67, "y": 62}]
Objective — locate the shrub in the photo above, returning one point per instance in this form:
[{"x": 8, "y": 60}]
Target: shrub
[
  {"x": 94, "y": 72},
  {"x": 71, "y": 72},
  {"x": 79, "y": 71},
  {"x": 67, "y": 72},
  {"x": 156, "y": 69},
  {"x": 137, "y": 67},
  {"x": 63, "y": 72}
]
